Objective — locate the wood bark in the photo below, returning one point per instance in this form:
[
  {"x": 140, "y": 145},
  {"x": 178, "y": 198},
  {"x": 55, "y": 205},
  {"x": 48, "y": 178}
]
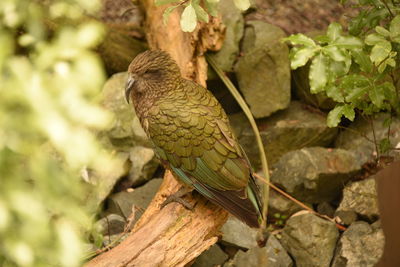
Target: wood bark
[
  {"x": 173, "y": 236},
  {"x": 186, "y": 48}
]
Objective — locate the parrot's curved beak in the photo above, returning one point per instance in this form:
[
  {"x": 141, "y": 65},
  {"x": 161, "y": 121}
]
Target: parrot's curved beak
[{"x": 128, "y": 88}]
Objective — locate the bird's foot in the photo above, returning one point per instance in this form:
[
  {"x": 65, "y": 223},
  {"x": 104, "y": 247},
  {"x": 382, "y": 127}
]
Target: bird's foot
[{"x": 177, "y": 197}]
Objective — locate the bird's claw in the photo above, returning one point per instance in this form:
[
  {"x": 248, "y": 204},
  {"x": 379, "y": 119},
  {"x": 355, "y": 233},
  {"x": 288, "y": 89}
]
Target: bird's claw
[
  {"x": 177, "y": 197},
  {"x": 173, "y": 198}
]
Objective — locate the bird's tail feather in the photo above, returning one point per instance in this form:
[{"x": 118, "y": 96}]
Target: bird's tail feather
[{"x": 245, "y": 204}]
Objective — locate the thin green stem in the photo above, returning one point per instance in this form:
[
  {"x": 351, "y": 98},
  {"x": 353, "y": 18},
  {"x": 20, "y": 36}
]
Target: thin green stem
[
  {"x": 298, "y": 202},
  {"x": 371, "y": 122},
  {"x": 387, "y": 7},
  {"x": 250, "y": 117}
]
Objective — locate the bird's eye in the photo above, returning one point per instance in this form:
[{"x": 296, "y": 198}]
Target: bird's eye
[{"x": 152, "y": 71}]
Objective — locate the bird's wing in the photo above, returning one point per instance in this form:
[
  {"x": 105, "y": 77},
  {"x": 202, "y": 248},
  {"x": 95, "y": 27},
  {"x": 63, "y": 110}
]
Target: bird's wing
[
  {"x": 194, "y": 135},
  {"x": 191, "y": 133}
]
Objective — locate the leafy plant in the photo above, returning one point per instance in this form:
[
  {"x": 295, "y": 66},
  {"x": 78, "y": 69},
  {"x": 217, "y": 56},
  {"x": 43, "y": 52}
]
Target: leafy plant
[
  {"x": 194, "y": 11},
  {"x": 280, "y": 219},
  {"x": 358, "y": 69},
  {"x": 48, "y": 81}
]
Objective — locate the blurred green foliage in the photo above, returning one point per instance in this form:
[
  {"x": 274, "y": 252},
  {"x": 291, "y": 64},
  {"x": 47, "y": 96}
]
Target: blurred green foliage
[{"x": 48, "y": 80}]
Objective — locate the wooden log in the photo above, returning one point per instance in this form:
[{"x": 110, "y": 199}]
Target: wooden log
[{"x": 173, "y": 236}]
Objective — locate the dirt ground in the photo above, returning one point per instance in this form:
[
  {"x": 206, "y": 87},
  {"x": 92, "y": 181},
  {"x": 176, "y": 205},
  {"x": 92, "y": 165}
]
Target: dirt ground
[{"x": 295, "y": 16}]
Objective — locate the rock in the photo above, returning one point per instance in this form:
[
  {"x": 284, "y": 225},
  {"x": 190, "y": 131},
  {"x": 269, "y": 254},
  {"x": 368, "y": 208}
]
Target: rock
[
  {"x": 126, "y": 14},
  {"x": 273, "y": 254},
  {"x": 125, "y": 130},
  {"x": 325, "y": 208},
  {"x": 302, "y": 90},
  {"x": 238, "y": 233},
  {"x": 222, "y": 94},
  {"x": 118, "y": 49},
  {"x": 310, "y": 240},
  {"x": 287, "y": 130},
  {"x": 353, "y": 140},
  {"x": 264, "y": 54},
  {"x": 278, "y": 204},
  {"x": 345, "y": 217},
  {"x": 111, "y": 224},
  {"x": 113, "y": 240},
  {"x": 277, "y": 255},
  {"x": 315, "y": 174},
  {"x": 360, "y": 197},
  {"x": 104, "y": 182},
  {"x": 123, "y": 21},
  {"x": 360, "y": 245},
  {"x": 144, "y": 165},
  {"x": 214, "y": 256},
  {"x": 139, "y": 198},
  {"x": 234, "y": 22}
]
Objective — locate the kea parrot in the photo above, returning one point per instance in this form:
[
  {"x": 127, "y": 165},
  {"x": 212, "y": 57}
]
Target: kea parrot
[{"x": 192, "y": 135}]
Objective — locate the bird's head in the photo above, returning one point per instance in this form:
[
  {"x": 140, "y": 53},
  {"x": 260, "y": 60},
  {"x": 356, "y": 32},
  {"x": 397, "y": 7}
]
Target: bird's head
[{"x": 151, "y": 72}]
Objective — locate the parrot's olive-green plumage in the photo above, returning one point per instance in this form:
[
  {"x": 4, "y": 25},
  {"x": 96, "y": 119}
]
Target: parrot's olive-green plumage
[{"x": 192, "y": 135}]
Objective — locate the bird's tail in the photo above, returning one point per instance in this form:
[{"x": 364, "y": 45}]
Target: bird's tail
[{"x": 245, "y": 204}]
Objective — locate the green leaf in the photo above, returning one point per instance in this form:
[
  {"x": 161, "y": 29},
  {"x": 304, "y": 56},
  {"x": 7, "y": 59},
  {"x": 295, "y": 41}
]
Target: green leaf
[
  {"x": 358, "y": 23},
  {"x": 334, "y": 31},
  {"x": 348, "y": 42},
  {"x": 356, "y": 87},
  {"x": 318, "y": 75},
  {"x": 242, "y": 4},
  {"x": 334, "y": 53},
  {"x": 188, "y": 19},
  {"x": 336, "y": 69},
  {"x": 387, "y": 122},
  {"x": 301, "y": 56},
  {"x": 334, "y": 92},
  {"x": 200, "y": 12},
  {"x": 98, "y": 239},
  {"x": 384, "y": 145},
  {"x": 212, "y": 7},
  {"x": 340, "y": 67},
  {"x": 367, "y": 19},
  {"x": 382, "y": 66},
  {"x": 348, "y": 112},
  {"x": 380, "y": 52},
  {"x": 167, "y": 12},
  {"x": 300, "y": 39},
  {"x": 382, "y": 31},
  {"x": 357, "y": 93},
  {"x": 389, "y": 90},
  {"x": 164, "y": 2},
  {"x": 334, "y": 116},
  {"x": 391, "y": 62},
  {"x": 323, "y": 39},
  {"x": 363, "y": 60},
  {"x": 374, "y": 38},
  {"x": 377, "y": 96},
  {"x": 395, "y": 29}
]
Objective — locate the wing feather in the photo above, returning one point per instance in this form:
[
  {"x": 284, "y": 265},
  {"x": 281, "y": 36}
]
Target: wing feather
[{"x": 196, "y": 140}]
